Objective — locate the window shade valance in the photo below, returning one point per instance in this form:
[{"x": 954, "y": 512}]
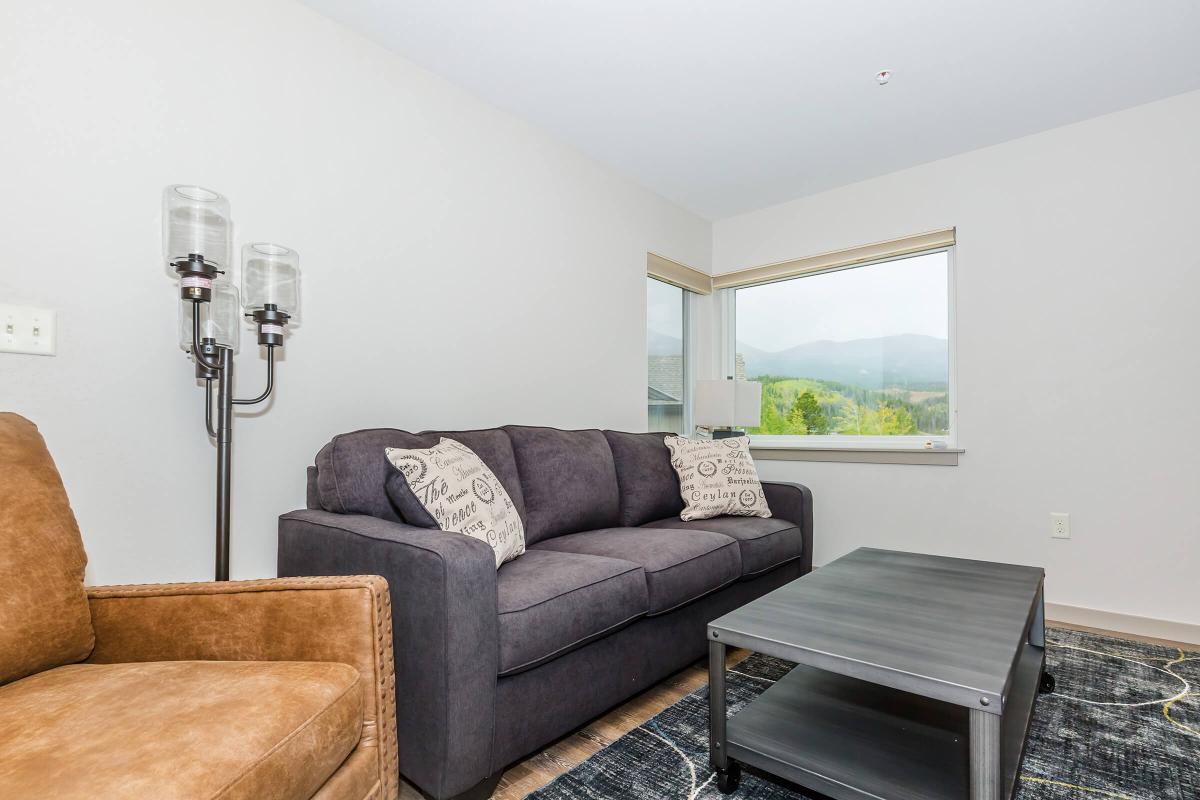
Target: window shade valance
[
  {"x": 892, "y": 248},
  {"x": 676, "y": 274}
]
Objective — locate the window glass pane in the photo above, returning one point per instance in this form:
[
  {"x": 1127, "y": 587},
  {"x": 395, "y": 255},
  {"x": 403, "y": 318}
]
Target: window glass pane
[
  {"x": 664, "y": 346},
  {"x": 857, "y": 352}
]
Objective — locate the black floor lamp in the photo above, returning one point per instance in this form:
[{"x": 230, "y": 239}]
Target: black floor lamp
[{"x": 198, "y": 245}]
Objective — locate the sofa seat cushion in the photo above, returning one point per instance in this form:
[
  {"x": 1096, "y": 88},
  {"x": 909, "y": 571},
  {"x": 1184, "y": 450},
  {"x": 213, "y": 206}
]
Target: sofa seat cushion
[
  {"x": 551, "y": 602},
  {"x": 178, "y": 729},
  {"x": 680, "y": 566},
  {"x": 765, "y": 543}
]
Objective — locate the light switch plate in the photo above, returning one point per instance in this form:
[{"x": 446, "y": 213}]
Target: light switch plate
[{"x": 26, "y": 329}]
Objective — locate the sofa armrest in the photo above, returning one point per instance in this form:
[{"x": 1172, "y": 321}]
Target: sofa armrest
[
  {"x": 793, "y": 502},
  {"x": 446, "y": 624},
  {"x": 341, "y": 619}
]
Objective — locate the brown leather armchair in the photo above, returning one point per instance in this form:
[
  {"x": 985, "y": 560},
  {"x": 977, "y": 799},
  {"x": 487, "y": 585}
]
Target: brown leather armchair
[{"x": 278, "y": 689}]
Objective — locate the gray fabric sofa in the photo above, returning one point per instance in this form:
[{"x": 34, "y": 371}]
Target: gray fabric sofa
[{"x": 612, "y": 594}]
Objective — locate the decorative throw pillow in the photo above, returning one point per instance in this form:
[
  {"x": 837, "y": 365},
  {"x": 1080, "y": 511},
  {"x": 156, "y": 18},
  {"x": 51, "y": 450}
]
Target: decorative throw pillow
[
  {"x": 717, "y": 477},
  {"x": 458, "y": 493}
]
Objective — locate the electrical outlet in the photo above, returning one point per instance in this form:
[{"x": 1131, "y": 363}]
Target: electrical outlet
[
  {"x": 24, "y": 329},
  {"x": 1060, "y": 525}
]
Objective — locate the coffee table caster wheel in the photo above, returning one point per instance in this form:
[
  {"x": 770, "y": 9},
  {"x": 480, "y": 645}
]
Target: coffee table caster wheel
[
  {"x": 728, "y": 779},
  {"x": 1047, "y": 684}
]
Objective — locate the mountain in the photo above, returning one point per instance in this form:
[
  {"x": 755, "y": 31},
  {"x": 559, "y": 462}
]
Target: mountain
[
  {"x": 901, "y": 360},
  {"x": 661, "y": 344}
]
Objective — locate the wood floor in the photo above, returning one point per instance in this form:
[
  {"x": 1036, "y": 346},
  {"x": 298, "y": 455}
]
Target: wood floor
[{"x": 541, "y": 768}]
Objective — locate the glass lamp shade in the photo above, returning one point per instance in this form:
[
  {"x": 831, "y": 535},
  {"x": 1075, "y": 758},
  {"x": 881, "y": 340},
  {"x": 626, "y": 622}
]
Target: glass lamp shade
[
  {"x": 219, "y": 318},
  {"x": 271, "y": 276},
  {"x": 196, "y": 220}
]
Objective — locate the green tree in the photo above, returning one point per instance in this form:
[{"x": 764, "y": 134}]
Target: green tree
[
  {"x": 771, "y": 422},
  {"x": 795, "y": 420},
  {"x": 895, "y": 420},
  {"x": 809, "y": 411},
  {"x": 851, "y": 418}
]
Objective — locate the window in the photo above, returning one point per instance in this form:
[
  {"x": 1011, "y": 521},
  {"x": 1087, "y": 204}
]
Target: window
[
  {"x": 666, "y": 348},
  {"x": 853, "y": 356}
]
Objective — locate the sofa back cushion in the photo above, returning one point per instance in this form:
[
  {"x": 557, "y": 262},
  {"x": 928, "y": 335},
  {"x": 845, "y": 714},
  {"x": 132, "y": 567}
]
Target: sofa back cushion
[
  {"x": 648, "y": 483},
  {"x": 568, "y": 480},
  {"x": 45, "y": 620},
  {"x": 352, "y": 470}
]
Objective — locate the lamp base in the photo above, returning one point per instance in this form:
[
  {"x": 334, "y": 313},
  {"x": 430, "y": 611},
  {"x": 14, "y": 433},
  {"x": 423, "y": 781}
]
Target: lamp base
[{"x": 727, "y": 433}]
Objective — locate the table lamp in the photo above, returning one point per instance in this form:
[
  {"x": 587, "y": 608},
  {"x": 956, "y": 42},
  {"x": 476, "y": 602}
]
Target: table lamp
[{"x": 727, "y": 406}]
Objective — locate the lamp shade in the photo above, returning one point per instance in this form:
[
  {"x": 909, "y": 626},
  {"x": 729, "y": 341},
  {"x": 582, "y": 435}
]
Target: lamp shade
[
  {"x": 219, "y": 318},
  {"x": 196, "y": 221},
  {"x": 271, "y": 276},
  {"x": 728, "y": 404}
]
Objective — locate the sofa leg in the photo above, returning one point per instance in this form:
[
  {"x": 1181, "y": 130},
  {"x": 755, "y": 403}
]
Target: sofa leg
[{"x": 482, "y": 790}]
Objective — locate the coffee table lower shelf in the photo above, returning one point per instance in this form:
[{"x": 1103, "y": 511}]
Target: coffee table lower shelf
[{"x": 851, "y": 739}]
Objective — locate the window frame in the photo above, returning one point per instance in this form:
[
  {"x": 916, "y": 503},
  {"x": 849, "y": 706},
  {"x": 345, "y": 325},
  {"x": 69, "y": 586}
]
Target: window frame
[
  {"x": 688, "y": 348},
  {"x": 832, "y": 444},
  {"x": 688, "y": 369}
]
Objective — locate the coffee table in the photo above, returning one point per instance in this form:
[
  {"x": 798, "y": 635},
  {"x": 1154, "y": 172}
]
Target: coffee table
[{"x": 916, "y": 678}]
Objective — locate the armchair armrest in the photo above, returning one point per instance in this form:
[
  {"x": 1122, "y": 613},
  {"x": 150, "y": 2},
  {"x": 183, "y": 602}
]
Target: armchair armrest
[
  {"x": 342, "y": 619},
  {"x": 793, "y": 502},
  {"x": 445, "y": 620}
]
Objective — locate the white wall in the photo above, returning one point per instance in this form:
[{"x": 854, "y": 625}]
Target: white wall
[
  {"x": 460, "y": 268},
  {"x": 463, "y": 269},
  {"x": 1078, "y": 327}
]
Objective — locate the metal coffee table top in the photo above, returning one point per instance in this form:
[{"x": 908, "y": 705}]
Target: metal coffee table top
[{"x": 944, "y": 628}]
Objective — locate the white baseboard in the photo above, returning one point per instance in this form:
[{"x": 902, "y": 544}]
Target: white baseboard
[{"x": 1124, "y": 623}]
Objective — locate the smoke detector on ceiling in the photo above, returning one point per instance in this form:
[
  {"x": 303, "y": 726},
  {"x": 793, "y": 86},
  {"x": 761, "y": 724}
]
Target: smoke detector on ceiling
[{"x": 883, "y": 76}]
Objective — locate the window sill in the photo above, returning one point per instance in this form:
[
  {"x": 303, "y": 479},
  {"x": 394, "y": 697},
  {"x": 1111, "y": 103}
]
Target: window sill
[{"x": 947, "y": 457}]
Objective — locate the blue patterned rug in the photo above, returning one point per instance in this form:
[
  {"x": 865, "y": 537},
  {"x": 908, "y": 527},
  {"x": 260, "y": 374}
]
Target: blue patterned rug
[{"x": 1123, "y": 723}]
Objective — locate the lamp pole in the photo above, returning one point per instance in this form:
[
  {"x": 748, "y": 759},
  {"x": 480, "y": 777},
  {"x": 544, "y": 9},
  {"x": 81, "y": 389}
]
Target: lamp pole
[
  {"x": 224, "y": 437},
  {"x": 215, "y": 363}
]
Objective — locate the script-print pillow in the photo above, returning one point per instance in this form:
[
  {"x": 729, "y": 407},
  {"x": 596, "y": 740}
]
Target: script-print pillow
[
  {"x": 717, "y": 477},
  {"x": 460, "y": 494}
]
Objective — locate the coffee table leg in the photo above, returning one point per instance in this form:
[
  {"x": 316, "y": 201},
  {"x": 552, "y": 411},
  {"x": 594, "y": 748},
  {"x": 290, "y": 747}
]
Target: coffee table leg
[
  {"x": 728, "y": 771},
  {"x": 1037, "y": 638},
  {"x": 716, "y": 705},
  {"x": 986, "y": 777},
  {"x": 1037, "y": 631}
]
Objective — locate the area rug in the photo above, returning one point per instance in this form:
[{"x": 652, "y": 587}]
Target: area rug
[{"x": 1123, "y": 723}]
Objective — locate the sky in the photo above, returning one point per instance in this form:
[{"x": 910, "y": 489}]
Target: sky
[
  {"x": 903, "y": 296},
  {"x": 664, "y": 308}
]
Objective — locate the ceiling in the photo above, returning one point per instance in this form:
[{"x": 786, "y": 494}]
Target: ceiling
[{"x": 725, "y": 106}]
